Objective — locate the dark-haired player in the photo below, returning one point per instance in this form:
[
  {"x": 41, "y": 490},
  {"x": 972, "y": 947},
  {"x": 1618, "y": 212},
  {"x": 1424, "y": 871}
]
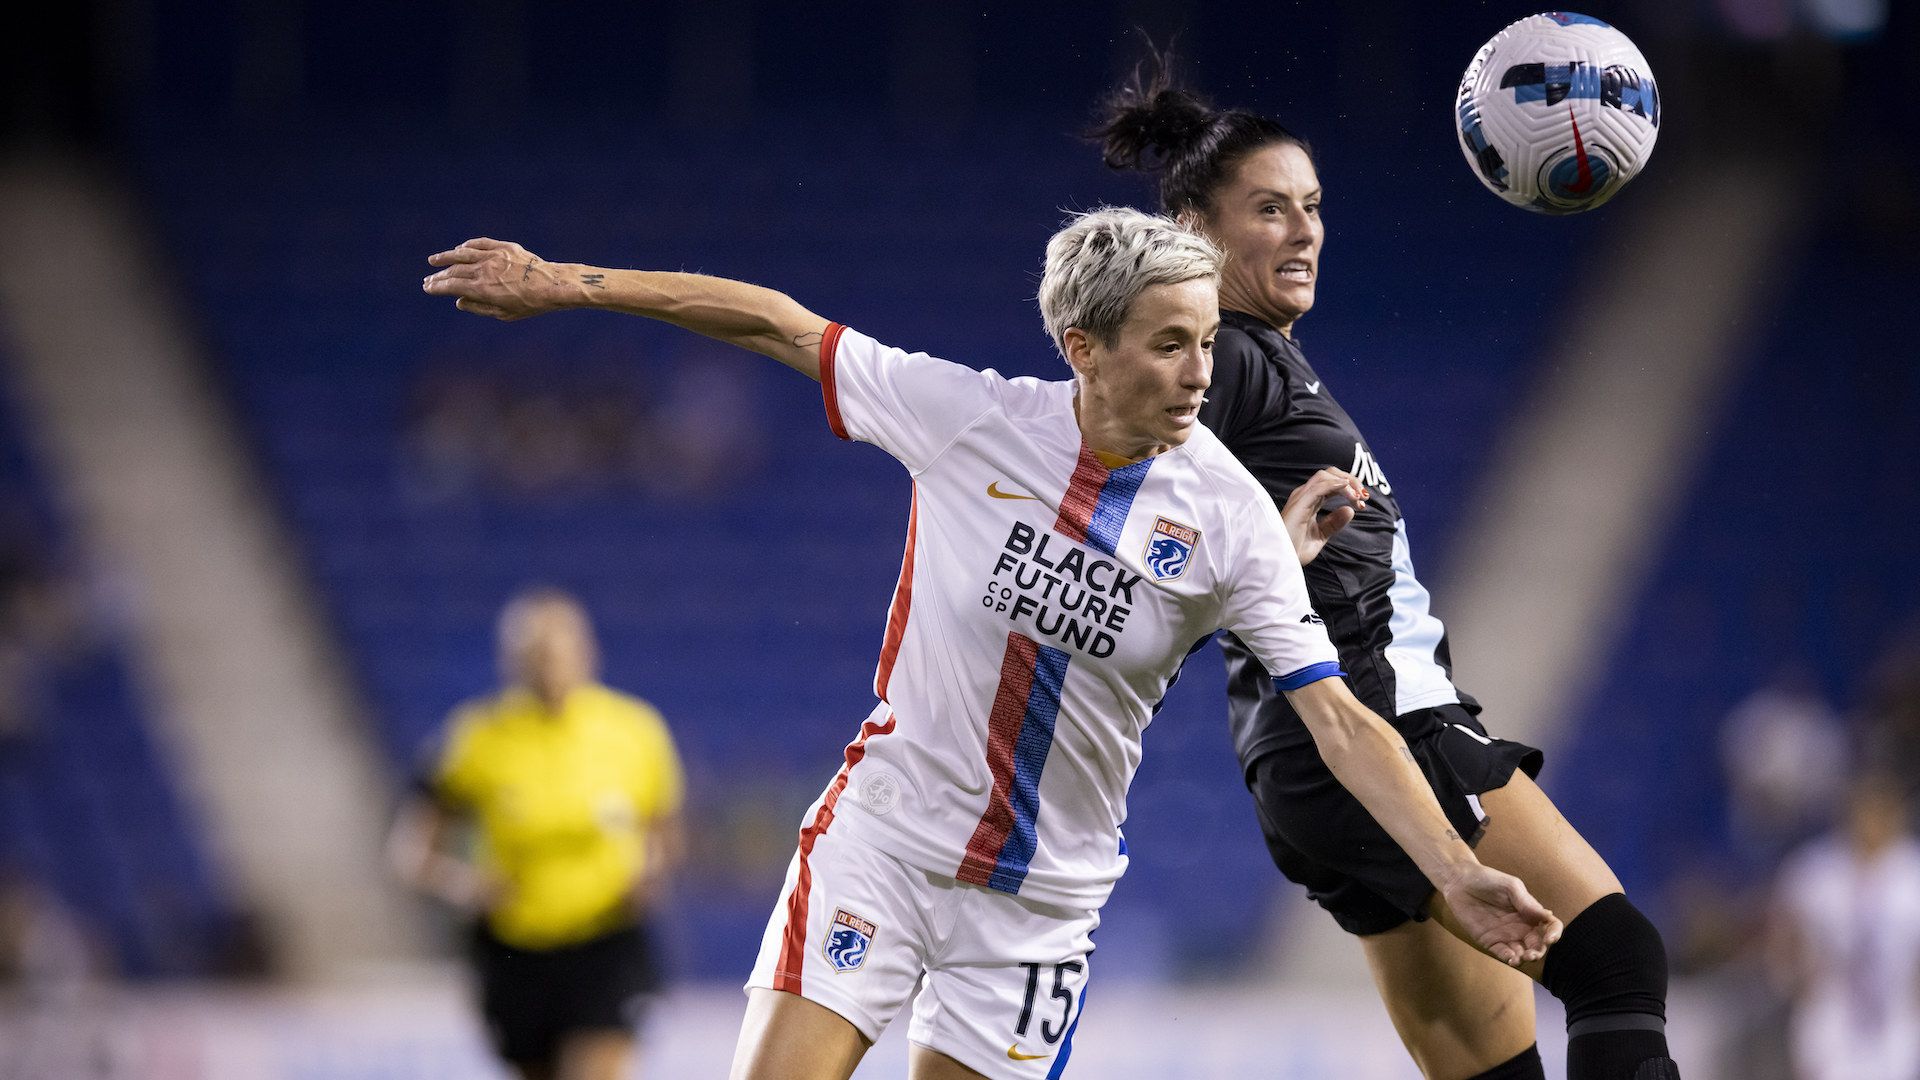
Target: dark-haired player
[{"x": 1251, "y": 186}]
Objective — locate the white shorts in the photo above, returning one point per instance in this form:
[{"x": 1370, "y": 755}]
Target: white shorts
[{"x": 856, "y": 929}]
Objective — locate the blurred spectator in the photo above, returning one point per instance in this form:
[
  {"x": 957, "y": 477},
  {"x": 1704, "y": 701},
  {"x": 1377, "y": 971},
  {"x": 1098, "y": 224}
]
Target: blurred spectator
[
  {"x": 50, "y": 1018},
  {"x": 449, "y": 435},
  {"x": 573, "y": 793},
  {"x": 43, "y": 622},
  {"x": 1893, "y": 712},
  {"x": 1847, "y": 942},
  {"x": 555, "y": 431},
  {"x": 1786, "y": 755},
  {"x": 44, "y": 954}
]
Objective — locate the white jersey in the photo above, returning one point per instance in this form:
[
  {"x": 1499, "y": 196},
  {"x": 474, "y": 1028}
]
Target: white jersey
[
  {"x": 1859, "y": 923},
  {"x": 1046, "y": 603}
]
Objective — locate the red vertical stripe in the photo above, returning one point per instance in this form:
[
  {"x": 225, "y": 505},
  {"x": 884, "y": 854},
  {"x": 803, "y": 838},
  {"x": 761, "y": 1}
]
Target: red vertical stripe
[
  {"x": 793, "y": 947},
  {"x": 829, "y": 344},
  {"x": 1003, "y": 734},
  {"x": 902, "y": 603},
  {"x": 1083, "y": 494}
]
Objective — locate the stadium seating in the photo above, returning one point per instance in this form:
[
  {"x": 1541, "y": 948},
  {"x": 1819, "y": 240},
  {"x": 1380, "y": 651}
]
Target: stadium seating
[
  {"x": 89, "y": 810},
  {"x": 1789, "y": 557}
]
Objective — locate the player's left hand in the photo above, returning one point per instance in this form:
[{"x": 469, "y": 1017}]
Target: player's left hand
[
  {"x": 1502, "y": 915},
  {"x": 1310, "y": 521},
  {"x": 499, "y": 279}
]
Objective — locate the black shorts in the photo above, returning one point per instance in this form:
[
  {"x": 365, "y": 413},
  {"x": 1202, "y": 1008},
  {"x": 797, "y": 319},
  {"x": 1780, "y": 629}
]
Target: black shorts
[
  {"x": 532, "y": 998},
  {"x": 1321, "y": 837}
]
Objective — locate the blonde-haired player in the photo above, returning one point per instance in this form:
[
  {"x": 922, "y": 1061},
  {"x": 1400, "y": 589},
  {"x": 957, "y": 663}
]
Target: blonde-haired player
[{"x": 1069, "y": 541}]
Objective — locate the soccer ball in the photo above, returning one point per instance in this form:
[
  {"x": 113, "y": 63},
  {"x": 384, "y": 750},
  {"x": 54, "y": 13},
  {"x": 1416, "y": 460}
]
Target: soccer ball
[{"x": 1557, "y": 112}]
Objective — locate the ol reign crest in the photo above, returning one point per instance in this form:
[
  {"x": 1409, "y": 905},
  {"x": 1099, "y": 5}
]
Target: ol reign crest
[
  {"x": 848, "y": 938},
  {"x": 1169, "y": 548}
]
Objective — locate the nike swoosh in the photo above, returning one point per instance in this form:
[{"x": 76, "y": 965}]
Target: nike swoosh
[
  {"x": 993, "y": 489},
  {"x": 1584, "y": 182},
  {"x": 1313, "y": 388},
  {"x": 1014, "y": 1053}
]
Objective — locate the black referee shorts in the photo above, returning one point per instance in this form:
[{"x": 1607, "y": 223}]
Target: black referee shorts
[
  {"x": 531, "y": 999},
  {"x": 1321, "y": 837}
]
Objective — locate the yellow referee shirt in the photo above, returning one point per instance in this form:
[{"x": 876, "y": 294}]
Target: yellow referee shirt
[{"x": 562, "y": 801}]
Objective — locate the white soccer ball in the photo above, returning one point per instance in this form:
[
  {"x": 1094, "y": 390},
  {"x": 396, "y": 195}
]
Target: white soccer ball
[{"x": 1557, "y": 112}]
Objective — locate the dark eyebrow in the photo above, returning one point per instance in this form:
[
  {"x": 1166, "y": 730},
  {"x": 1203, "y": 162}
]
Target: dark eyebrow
[
  {"x": 1176, "y": 328},
  {"x": 1270, "y": 194}
]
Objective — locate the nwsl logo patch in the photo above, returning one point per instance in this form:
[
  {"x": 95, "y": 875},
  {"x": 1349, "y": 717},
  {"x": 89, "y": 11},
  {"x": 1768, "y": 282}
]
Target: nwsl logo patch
[
  {"x": 848, "y": 938},
  {"x": 1169, "y": 548}
]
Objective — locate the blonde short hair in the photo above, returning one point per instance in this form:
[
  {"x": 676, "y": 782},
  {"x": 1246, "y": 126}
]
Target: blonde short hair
[{"x": 1100, "y": 262}]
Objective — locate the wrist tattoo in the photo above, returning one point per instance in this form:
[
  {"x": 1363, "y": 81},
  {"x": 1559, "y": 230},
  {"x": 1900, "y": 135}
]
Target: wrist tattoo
[
  {"x": 594, "y": 281},
  {"x": 805, "y": 341},
  {"x": 527, "y": 273},
  {"x": 1408, "y": 754},
  {"x": 1451, "y": 835}
]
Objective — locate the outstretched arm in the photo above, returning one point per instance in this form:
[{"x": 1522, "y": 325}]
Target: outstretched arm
[
  {"x": 1368, "y": 756},
  {"x": 505, "y": 281}
]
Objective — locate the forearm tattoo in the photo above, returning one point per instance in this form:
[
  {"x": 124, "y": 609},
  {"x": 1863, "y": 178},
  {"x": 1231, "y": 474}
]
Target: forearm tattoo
[
  {"x": 594, "y": 281},
  {"x": 805, "y": 341}
]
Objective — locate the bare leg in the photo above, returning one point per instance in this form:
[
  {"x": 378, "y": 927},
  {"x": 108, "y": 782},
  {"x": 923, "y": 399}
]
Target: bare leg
[
  {"x": 924, "y": 1063},
  {"x": 1610, "y": 968},
  {"x": 1527, "y": 837},
  {"x": 596, "y": 1055},
  {"x": 1459, "y": 1012},
  {"x": 787, "y": 1037}
]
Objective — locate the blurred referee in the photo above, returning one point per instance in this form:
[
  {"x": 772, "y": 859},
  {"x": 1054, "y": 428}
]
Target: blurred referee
[{"x": 550, "y": 813}]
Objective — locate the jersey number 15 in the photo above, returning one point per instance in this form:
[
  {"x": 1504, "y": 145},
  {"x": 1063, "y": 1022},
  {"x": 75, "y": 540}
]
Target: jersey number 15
[{"x": 1060, "y": 992}]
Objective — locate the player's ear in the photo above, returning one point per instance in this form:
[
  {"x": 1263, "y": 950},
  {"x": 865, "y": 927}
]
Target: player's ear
[{"x": 1078, "y": 345}]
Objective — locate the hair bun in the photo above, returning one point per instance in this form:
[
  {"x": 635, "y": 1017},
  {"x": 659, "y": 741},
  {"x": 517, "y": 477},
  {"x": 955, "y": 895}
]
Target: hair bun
[
  {"x": 1149, "y": 121},
  {"x": 1154, "y": 125}
]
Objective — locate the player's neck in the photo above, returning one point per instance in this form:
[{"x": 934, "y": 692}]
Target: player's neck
[
  {"x": 1103, "y": 434},
  {"x": 551, "y": 699},
  {"x": 1282, "y": 323}
]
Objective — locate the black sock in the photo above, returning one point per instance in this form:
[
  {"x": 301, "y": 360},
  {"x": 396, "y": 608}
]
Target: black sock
[
  {"x": 1620, "y": 1055},
  {"x": 1610, "y": 970},
  {"x": 1522, "y": 1066}
]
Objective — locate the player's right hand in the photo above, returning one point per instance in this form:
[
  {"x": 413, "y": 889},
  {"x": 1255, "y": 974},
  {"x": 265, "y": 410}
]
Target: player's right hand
[
  {"x": 1309, "y": 518},
  {"x": 499, "y": 279},
  {"x": 1502, "y": 915}
]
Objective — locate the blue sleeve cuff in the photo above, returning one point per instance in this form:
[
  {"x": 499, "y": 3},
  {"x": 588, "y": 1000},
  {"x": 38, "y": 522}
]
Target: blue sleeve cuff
[{"x": 1312, "y": 673}]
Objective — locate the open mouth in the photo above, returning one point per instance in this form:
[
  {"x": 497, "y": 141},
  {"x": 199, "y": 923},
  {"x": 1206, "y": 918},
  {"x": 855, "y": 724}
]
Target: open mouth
[
  {"x": 1184, "y": 414},
  {"x": 1298, "y": 270}
]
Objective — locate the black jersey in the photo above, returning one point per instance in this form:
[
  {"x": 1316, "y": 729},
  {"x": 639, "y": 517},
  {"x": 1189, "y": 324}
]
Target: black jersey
[{"x": 1271, "y": 409}]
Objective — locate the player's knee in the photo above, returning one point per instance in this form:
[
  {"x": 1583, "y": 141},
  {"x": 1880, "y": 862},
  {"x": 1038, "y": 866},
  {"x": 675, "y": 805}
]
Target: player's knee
[{"x": 1609, "y": 968}]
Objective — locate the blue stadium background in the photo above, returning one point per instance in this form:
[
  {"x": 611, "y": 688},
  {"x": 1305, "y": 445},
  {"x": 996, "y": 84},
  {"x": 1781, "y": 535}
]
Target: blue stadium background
[{"x": 741, "y": 584}]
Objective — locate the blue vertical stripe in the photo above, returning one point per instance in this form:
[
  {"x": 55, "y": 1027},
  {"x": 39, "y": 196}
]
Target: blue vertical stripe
[
  {"x": 1029, "y": 758},
  {"x": 1116, "y": 499},
  {"x": 1066, "y": 1044}
]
